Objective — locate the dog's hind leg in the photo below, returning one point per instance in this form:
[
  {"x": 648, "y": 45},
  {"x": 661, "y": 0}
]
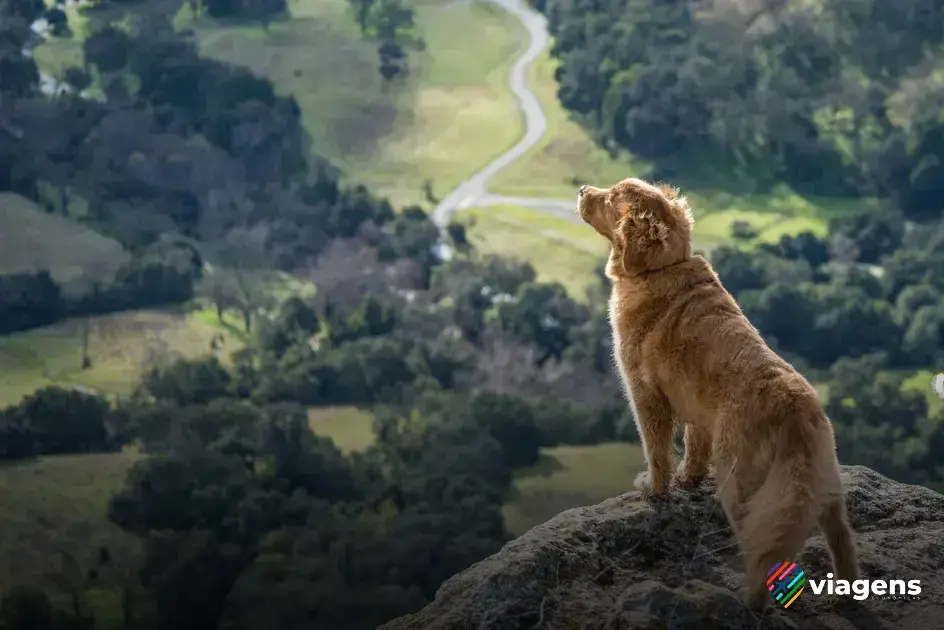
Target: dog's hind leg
[
  {"x": 656, "y": 426},
  {"x": 729, "y": 493}
]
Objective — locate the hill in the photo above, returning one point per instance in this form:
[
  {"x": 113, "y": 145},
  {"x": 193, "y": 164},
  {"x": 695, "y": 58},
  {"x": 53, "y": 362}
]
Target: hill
[
  {"x": 54, "y": 507},
  {"x": 75, "y": 255},
  {"x": 121, "y": 346}
]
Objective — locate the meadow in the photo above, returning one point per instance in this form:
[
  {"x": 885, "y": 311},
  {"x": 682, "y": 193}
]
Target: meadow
[
  {"x": 54, "y": 511},
  {"x": 121, "y": 346},
  {"x": 452, "y": 115},
  {"x": 559, "y": 250}
]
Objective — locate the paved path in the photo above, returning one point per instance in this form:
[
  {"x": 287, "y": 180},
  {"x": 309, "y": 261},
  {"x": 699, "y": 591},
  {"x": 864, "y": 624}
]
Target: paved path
[{"x": 474, "y": 191}]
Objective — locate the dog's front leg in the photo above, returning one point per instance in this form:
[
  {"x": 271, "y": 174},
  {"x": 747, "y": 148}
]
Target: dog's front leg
[{"x": 656, "y": 427}]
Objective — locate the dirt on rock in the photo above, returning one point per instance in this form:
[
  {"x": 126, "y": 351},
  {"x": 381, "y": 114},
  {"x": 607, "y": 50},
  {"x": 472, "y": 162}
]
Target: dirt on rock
[{"x": 673, "y": 565}]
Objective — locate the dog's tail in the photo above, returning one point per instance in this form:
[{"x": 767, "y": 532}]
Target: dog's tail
[
  {"x": 779, "y": 518},
  {"x": 834, "y": 521}
]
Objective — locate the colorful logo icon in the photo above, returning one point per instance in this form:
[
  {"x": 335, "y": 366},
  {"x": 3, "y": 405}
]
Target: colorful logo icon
[{"x": 785, "y": 581}]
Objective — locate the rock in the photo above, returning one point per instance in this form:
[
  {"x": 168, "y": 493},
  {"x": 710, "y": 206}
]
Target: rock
[{"x": 674, "y": 565}]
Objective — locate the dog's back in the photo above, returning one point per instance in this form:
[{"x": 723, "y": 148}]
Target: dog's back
[{"x": 773, "y": 446}]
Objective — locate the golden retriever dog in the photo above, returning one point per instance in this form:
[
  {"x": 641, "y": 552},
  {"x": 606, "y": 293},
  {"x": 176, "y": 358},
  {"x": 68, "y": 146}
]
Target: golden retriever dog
[{"x": 688, "y": 355}]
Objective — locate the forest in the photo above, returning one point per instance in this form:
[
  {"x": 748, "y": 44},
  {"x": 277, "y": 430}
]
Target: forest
[{"x": 240, "y": 517}]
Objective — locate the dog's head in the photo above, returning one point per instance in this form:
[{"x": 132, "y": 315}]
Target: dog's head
[{"x": 649, "y": 226}]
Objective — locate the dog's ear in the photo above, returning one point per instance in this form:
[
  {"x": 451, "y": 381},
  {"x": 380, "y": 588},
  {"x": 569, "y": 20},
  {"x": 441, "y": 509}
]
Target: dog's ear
[
  {"x": 678, "y": 205},
  {"x": 643, "y": 235}
]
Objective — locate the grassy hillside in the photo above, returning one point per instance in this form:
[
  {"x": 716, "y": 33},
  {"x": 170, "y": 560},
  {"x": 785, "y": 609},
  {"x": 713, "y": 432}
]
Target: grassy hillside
[
  {"x": 451, "y": 117},
  {"x": 121, "y": 346},
  {"x": 559, "y": 250},
  {"x": 32, "y": 239},
  {"x": 57, "y": 504}
]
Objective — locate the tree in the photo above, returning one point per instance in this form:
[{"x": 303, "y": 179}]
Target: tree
[
  {"x": 875, "y": 234},
  {"x": 265, "y": 10},
  {"x": 877, "y": 423},
  {"x": 61, "y": 420},
  {"x": 914, "y": 297},
  {"x": 511, "y": 422},
  {"x": 244, "y": 251},
  {"x": 924, "y": 337},
  {"x": 20, "y": 76},
  {"x": 58, "y": 22},
  {"x": 108, "y": 48},
  {"x": 187, "y": 382},
  {"x": 458, "y": 236},
  {"x": 295, "y": 323},
  {"x": 27, "y": 10},
  {"x": 543, "y": 315},
  {"x": 738, "y": 270}
]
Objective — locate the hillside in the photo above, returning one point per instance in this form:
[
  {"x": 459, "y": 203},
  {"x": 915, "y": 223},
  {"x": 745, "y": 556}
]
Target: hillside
[{"x": 75, "y": 255}]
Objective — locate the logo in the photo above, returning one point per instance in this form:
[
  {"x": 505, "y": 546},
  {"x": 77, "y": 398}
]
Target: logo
[
  {"x": 937, "y": 385},
  {"x": 785, "y": 581}
]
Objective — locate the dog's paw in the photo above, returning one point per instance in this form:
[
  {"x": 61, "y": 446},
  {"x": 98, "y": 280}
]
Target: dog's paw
[
  {"x": 644, "y": 484},
  {"x": 688, "y": 479}
]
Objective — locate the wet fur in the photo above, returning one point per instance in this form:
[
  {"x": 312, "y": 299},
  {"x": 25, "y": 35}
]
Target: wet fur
[{"x": 688, "y": 355}]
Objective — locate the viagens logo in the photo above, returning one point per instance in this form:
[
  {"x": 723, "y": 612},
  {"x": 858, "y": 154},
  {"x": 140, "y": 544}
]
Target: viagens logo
[{"x": 786, "y": 581}]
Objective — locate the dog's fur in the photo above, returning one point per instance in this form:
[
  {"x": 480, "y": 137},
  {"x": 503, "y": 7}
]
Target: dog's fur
[{"x": 688, "y": 355}]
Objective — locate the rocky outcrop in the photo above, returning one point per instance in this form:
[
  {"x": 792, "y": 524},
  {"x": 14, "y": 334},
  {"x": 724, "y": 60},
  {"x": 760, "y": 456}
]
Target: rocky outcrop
[{"x": 673, "y": 565}]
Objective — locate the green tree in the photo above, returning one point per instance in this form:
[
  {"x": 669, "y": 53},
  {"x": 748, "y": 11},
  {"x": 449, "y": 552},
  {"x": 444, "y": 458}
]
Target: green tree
[
  {"x": 187, "y": 382},
  {"x": 543, "y": 315}
]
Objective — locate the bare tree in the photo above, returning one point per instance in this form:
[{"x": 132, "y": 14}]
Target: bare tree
[
  {"x": 508, "y": 367},
  {"x": 347, "y": 271}
]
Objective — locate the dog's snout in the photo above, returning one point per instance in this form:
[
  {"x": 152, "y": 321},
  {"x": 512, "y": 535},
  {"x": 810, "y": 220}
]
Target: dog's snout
[{"x": 581, "y": 190}]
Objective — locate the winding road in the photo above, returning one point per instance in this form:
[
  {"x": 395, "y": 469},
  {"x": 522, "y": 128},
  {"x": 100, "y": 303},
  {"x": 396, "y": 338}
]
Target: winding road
[{"x": 473, "y": 192}]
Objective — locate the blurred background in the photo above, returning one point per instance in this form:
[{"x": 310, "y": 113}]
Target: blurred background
[{"x": 272, "y": 345}]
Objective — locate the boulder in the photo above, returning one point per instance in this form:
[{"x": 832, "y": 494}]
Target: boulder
[{"x": 673, "y": 564}]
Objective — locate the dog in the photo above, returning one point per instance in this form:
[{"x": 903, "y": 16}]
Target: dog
[{"x": 688, "y": 355}]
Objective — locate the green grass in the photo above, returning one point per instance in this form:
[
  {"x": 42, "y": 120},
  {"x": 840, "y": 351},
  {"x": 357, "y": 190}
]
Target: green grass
[
  {"x": 559, "y": 251},
  {"x": 450, "y": 118},
  {"x": 571, "y": 476},
  {"x": 32, "y": 239},
  {"x": 121, "y": 345},
  {"x": 57, "y": 504},
  {"x": 351, "y": 429},
  {"x": 567, "y": 156}
]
